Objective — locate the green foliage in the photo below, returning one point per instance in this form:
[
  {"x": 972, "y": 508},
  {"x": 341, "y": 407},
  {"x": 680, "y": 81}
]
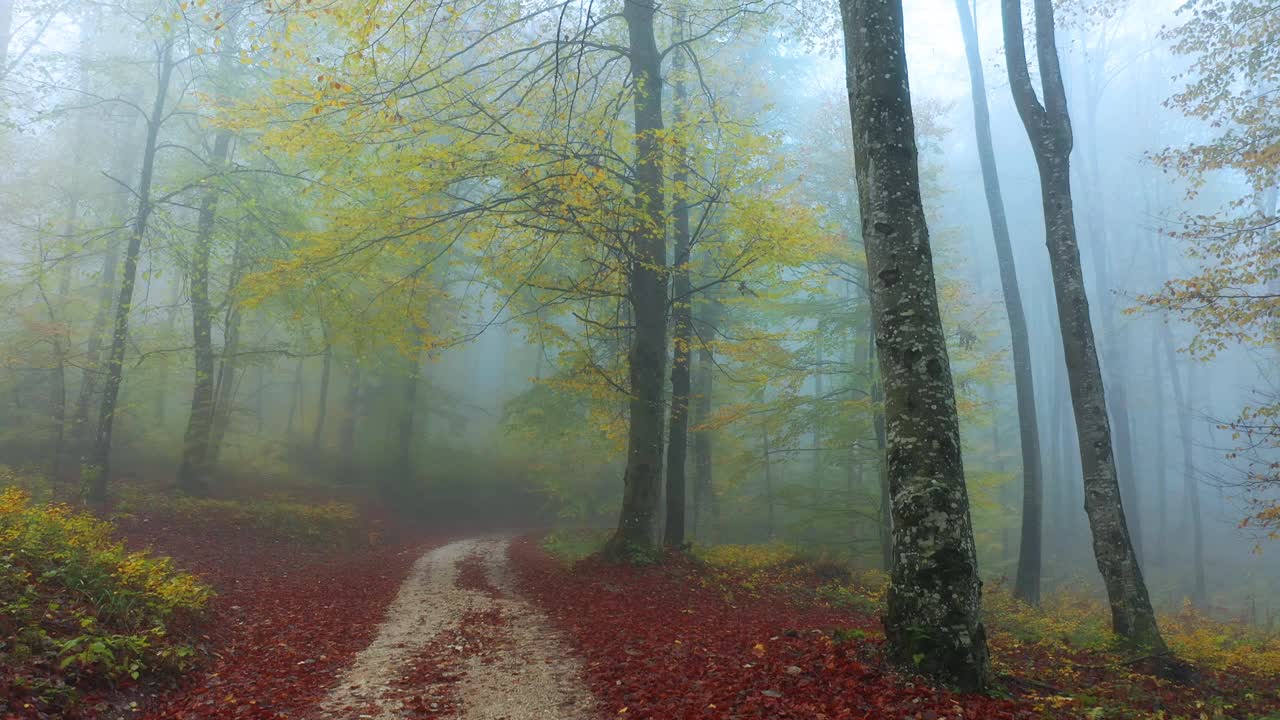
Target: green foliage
[{"x": 74, "y": 597}]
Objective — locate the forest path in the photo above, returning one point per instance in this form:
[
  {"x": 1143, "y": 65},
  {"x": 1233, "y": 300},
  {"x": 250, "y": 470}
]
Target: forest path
[{"x": 458, "y": 637}]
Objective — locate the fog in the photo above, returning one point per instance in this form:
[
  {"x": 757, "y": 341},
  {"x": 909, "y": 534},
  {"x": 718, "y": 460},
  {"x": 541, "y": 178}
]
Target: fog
[{"x": 391, "y": 251}]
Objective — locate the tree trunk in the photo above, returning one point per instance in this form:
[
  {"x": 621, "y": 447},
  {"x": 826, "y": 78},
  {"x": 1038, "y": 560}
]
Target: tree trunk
[
  {"x": 224, "y": 393},
  {"x": 704, "y": 497},
  {"x": 347, "y": 430},
  {"x": 326, "y": 366},
  {"x": 1049, "y": 128},
  {"x": 1182, "y": 408},
  {"x": 1160, "y": 465},
  {"x": 1026, "y": 586},
  {"x": 404, "y": 467},
  {"x": 295, "y": 400},
  {"x": 97, "y": 464},
  {"x": 933, "y": 616},
  {"x": 771, "y": 527},
  {"x": 682, "y": 327},
  {"x": 647, "y": 292},
  {"x": 193, "y": 470},
  {"x": 1113, "y": 356},
  {"x": 93, "y": 363}
]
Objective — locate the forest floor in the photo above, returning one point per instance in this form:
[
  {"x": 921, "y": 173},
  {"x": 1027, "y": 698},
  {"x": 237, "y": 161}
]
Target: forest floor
[{"x": 494, "y": 627}]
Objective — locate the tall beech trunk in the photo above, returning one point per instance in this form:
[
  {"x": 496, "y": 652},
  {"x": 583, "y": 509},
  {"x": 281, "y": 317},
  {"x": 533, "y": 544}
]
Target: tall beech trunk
[
  {"x": 1114, "y": 356},
  {"x": 97, "y": 463},
  {"x": 1049, "y": 128},
  {"x": 681, "y": 320},
  {"x": 193, "y": 470},
  {"x": 1026, "y": 586},
  {"x": 933, "y": 620},
  {"x": 1182, "y": 408},
  {"x": 647, "y": 292}
]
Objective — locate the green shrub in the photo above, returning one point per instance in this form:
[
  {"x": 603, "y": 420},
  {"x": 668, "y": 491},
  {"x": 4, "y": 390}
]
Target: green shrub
[{"x": 73, "y": 598}]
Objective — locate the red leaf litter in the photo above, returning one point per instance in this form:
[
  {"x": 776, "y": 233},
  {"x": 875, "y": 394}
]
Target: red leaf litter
[
  {"x": 659, "y": 646},
  {"x": 286, "y": 621}
]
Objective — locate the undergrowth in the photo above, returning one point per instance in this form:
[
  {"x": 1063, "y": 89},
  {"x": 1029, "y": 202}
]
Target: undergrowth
[
  {"x": 1064, "y": 644},
  {"x": 78, "y": 610},
  {"x": 330, "y": 523}
]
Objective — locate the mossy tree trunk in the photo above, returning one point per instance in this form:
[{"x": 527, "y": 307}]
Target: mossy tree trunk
[{"x": 933, "y": 615}]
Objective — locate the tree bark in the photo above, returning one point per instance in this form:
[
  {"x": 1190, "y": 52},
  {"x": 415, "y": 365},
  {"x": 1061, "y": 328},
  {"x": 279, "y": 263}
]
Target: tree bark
[
  {"x": 647, "y": 293},
  {"x": 1049, "y": 128},
  {"x": 97, "y": 465},
  {"x": 933, "y": 616},
  {"x": 682, "y": 322},
  {"x": 1026, "y": 586},
  {"x": 193, "y": 470}
]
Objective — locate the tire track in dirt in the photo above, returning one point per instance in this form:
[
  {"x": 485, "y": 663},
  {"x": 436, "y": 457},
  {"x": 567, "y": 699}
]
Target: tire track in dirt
[{"x": 525, "y": 673}]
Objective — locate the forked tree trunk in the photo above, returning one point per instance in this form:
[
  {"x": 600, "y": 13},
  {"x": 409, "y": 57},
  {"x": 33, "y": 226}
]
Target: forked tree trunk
[
  {"x": 1049, "y": 128},
  {"x": 1027, "y": 583},
  {"x": 647, "y": 292},
  {"x": 933, "y": 620},
  {"x": 97, "y": 464}
]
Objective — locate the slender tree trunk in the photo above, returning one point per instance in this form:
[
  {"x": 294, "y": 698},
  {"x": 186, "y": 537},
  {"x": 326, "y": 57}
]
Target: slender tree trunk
[
  {"x": 771, "y": 527},
  {"x": 225, "y": 390},
  {"x": 1200, "y": 592},
  {"x": 815, "y": 468},
  {"x": 934, "y": 582},
  {"x": 93, "y": 368},
  {"x": 1049, "y": 129},
  {"x": 295, "y": 399},
  {"x": 347, "y": 431},
  {"x": 682, "y": 321},
  {"x": 404, "y": 468},
  {"x": 1113, "y": 355},
  {"x": 704, "y": 498},
  {"x": 259, "y": 406},
  {"x": 1026, "y": 586},
  {"x": 647, "y": 292},
  {"x": 193, "y": 470},
  {"x": 1160, "y": 465},
  {"x": 318, "y": 434},
  {"x": 98, "y": 462}
]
